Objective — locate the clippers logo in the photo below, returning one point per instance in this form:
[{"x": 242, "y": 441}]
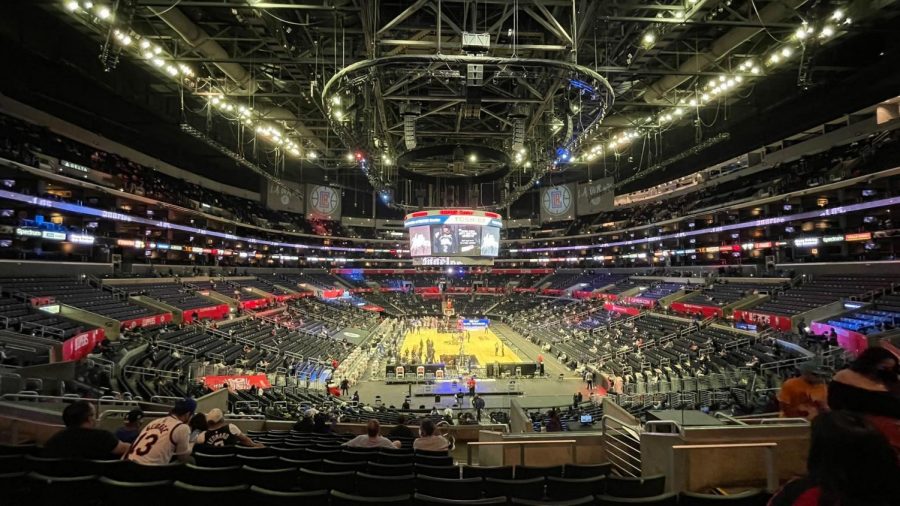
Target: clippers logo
[
  {"x": 324, "y": 200},
  {"x": 81, "y": 341},
  {"x": 557, "y": 200}
]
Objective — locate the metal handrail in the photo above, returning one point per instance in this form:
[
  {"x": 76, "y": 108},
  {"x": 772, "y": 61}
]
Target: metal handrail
[{"x": 628, "y": 432}]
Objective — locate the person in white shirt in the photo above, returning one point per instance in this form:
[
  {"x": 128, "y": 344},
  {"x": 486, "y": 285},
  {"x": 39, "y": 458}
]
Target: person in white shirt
[
  {"x": 165, "y": 438},
  {"x": 428, "y": 440},
  {"x": 372, "y": 438},
  {"x": 220, "y": 433}
]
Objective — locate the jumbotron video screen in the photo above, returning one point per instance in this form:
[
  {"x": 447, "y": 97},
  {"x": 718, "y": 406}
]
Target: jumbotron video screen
[{"x": 453, "y": 237}]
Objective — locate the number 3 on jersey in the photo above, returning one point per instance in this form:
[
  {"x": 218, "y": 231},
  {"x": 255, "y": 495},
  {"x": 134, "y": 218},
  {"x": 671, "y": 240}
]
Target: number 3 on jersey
[{"x": 143, "y": 444}]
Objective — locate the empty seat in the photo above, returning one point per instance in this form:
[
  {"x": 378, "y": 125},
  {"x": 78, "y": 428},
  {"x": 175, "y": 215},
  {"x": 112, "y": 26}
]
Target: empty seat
[
  {"x": 343, "y": 499},
  {"x": 574, "y": 488},
  {"x": 18, "y": 449},
  {"x": 395, "y": 458},
  {"x": 425, "y": 500},
  {"x": 754, "y": 497},
  {"x": 210, "y": 476},
  {"x": 499, "y": 472},
  {"x": 108, "y": 468},
  {"x": 220, "y": 496},
  {"x": 14, "y": 463},
  {"x": 259, "y": 495},
  {"x": 137, "y": 472},
  {"x": 437, "y": 471},
  {"x": 319, "y": 480},
  {"x": 586, "y": 470},
  {"x": 527, "y": 472},
  {"x": 528, "y": 489},
  {"x": 253, "y": 451},
  {"x": 210, "y": 460},
  {"x": 334, "y": 466},
  {"x": 261, "y": 462},
  {"x": 389, "y": 469},
  {"x": 645, "y": 486},
  {"x": 581, "y": 501},
  {"x": 314, "y": 464},
  {"x": 147, "y": 493},
  {"x": 458, "y": 488},
  {"x": 49, "y": 489},
  {"x": 214, "y": 450},
  {"x": 433, "y": 460},
  {"x": 371, "y": 485},
  {"x": 284, "y": 479},
  {"x": 290, "y": 453},
  {"x": 670, "y": 499}
]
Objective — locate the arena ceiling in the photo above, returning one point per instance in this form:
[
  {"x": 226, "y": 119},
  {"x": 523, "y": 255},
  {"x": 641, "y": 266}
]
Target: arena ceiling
[{"x": 221, "y": 80}]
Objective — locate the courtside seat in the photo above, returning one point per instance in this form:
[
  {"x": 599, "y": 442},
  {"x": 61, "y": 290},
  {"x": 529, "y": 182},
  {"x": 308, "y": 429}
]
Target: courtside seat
[
  {"x": 586, "y": 470},
  {"x": 574, "y": 488},
  {"x": 528, "y": 489},
  {"x": 458, "y": 488},
  {"x": 754, "y": 497},
  {"x": 499, "y": 472},
  {"x": 259, "y": 495},
  {"x": 644, "y": 486},
  {"x": 425, "y": 500}
]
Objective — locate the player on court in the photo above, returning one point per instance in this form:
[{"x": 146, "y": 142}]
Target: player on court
[{"x": 166, "y": 437}]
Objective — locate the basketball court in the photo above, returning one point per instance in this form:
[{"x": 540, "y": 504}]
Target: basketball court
[{"x": 481, "y": 346}]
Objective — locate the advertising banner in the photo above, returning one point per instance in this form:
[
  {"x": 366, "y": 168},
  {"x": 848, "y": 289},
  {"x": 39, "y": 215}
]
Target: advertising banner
[
  {"x": 704, "y": 311},
  {"x": 640, "y": 301},
  {"x": 80, "y": 345},
  {"x": 237, "y": 382},
  {"x": 557, "y": 203},
  {"x": 208, "y": 313},
  {"x": 254, "y": 303},
  {"x": 595, "y": 197},
  {"x": 285, "y": 196},
  {"x": 148, "y": 321},
  {"x": 323, "y": 203},
  {"x": 770, "y": 320},
  {"x": 479, "y": 324},
  {"x": 631, "y": 311}
]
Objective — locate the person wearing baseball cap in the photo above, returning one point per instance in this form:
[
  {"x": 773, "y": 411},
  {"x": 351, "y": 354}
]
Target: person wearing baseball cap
[
  {"x": 805, "y": 396},
  {"x": 129, "y": 431},
  {"x": 165, "y": 438},
  {"x": 221, "y": 433}
]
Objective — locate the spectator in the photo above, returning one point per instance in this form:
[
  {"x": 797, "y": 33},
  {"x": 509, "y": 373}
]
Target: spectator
[
  {"x": 372, "y": 438},
  {"x": 478, "y": 404},
  {"x": 805, "y": 396},
  {"x": 345, "y": 387},
  {"x": 220, "y": 433},
  {"x": 80, "y": 439},
  {"x": 320, "y": 424},
  {"x": 401, "y": 430},
  {"x": 165, "y": 438},
  {"x": 197, "y": 425},
  {"x": 554, "y": 424},
  {"x": 128, "y": 432},
  {"x": 869, "y": 387},
  {"x": 428, "y": 440},
  {"x": 304, "y": 425},
  {"x": 849, "y": 464}
]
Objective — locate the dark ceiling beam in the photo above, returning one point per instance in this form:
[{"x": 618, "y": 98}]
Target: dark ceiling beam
[
  {"x": 244, "y": 5},
  {"x": 698, "y": 22},
  {"x": 409, "y": 11},
  {"x": 456, "y": 45}
]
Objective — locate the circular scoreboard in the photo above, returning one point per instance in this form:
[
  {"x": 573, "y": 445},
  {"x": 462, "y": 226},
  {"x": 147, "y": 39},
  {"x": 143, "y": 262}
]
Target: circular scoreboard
[{"x": 453, "y": 237}]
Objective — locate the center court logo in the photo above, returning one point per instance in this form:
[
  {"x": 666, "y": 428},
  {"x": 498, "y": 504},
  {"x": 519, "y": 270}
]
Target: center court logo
[{"x": 557, "y": 200}]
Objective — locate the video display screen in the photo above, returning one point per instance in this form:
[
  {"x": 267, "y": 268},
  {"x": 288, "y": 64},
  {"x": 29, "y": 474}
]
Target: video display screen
[
  {"x": 454, "y": 237},
  {"x": 454, "y": 240}
]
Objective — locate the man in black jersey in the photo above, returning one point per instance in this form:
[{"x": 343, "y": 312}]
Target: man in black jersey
[{"x": 220, "y": 433}]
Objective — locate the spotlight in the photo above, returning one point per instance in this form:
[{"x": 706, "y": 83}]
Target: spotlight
[
  {"x": 312, "y": 155},
  {"x": 473, "y": 158},
  {"x": 72, "y": 6},
  {"x": 350, "y": 157},
  {"x": 649, "y": 39},
  {"x": 104, "y": 12}
]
